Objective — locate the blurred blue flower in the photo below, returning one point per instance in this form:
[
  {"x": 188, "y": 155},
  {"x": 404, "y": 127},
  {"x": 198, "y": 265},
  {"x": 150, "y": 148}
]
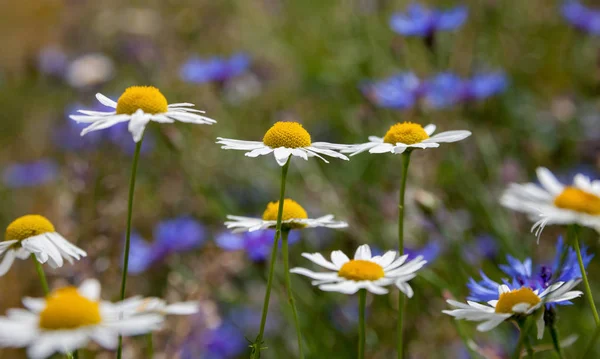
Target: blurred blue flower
[
  {"x": 31, "y": 174},
  {"x": 171, "y": 236},
  {"x": 256, "y": 244},
  {"x": 447, "y": 89},
  {"x": 484, "y": 85},
  {"x": 400, "y": 91},
  {"x": 217, "y": 69},
  {"x": 419, "y": 20},
  {"x": 223, "y": 342},
  {"x": 430, "y": 251},
  {"x": 483, "y": 247},
  {"x": 582, "y": 17},
  {"x": 52, "y": 60}
]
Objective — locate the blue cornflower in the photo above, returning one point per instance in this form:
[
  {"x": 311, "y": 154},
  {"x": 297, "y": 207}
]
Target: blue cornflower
[
  {"x": 51, "y": 60},
  {"x": 429, "y": 252},
  {"x": 447, "y": 89},
  {"x": 223, "y": 342},
  {"x": 424, "y": 22},
  {"x": 31, "y": 174},
  {"x": 483, "y": 247},
  {"x": 256, "y": 244},
  {"x": 582, "y": 17},
  {"x": 215, "y": 69},
  {"x": 400, "y": 91},
  {"x": 171, "y": 236}
]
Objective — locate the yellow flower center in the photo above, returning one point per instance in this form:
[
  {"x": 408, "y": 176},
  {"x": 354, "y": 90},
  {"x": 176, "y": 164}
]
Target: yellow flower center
[
  {"x": 147, "y": 98},
  {"x": 287, "y": 134},
  {"x": 358, "y": 270},
  {"x": 508, "y": 300},
  {"x": 67, "y": 309},
  {"x": 28, "y": 226},
  {"x": 406, "y": 132},
  {"x": 291, "y": 210},
  {"x": 578, "y": 200}
]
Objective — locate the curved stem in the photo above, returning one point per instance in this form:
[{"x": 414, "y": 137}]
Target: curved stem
[
  {"x": 362, "y": 294},
  {"x": 586, "y": 283},
  {"x": 134, "y": 166},
  {"x": 257, "y": 345},
  {"x": 528, "y": 348},
  {"x": 288, "y": 287},
  {"x": 524, "y": 327},
  {"x": 40, "y": 272},
  {"x": 401, "y": 299}
]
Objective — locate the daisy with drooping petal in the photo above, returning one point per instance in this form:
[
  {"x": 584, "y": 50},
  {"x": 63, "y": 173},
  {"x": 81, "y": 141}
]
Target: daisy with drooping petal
[
  {"x": 406, "y": 136},
  {"x": 139, "y": 105},
  {"x": 68, "y": 319},
  {"x": 551, "y": 202},
  {"x": 35, "y": 234},
  {"x": 285, "y": 139},
  {"x": 361, "y": 274},
  {"x": 515, "y": 303},
  {"x": 294, "y": 217}
]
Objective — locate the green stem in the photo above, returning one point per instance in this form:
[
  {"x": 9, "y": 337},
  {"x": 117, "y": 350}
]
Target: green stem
[
  {"x": 556, "y": 340},
  {"x": 136, "y": 156},
  {"x": 362, "y": 294},
  {"x": 149, "y": 346},
  {"x": 40, "y": 272},
  {"x": 288, "y": 287},
  {"x": 528, "y": 348},
  {"x": 257, "y": 345},
  {"x": 591, "y": 344},
  {"x": 524, "y": 327},
  {"x": 586, "y": 283},
  {"x": 401, "y": 299}
]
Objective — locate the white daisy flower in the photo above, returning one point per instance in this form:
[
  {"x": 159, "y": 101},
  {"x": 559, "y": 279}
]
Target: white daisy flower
[
  {"x": 362, "y": 272},
  {"x": 293, "y": 217},
  {"x": 285, "y": 139},
  {"x": 513, "y": 303},
  {"x": 139, "y": 105},
  {"x": 403, "y": 136},
  {"x": 554, "y": 203},
  {"x": 68, "y": 319},
  {"x": 139, "y": 305},
  {"x": 35, "y": 234}
]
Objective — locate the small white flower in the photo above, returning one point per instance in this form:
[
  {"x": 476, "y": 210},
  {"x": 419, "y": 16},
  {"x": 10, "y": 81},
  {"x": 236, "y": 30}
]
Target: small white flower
[
  {"x": 403, "y": 136},
  {"x": 293, "y": 217},
  {"x": 90, "y": 70},
  {"x": 139, "y": 105},
  {"x": 285, "y": 139},
  {"x": 347, "y": 276},
  {"x": 68, "y": 319},
  {"x": 554, "y": 203},
  {"x": 139, "y": 305},
  {"x": 34, "y": 234},
  {"x": 518, "y": 302}
]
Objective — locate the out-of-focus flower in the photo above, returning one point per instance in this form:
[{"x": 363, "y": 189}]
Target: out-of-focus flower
[
  {"x": 347, "y": 276},
  {"x": 32, "y": 174},
  {"x": 293, "y": 217},
  {"x": 52, "y": 60},
  {"x": 581, "y": 16},
  {"x": 89, "y": 70},
  {"x": 215, "y": 69},
  {"x": 138, "y": 106},
  {"x": 424, "y": 22},
  {"x": 226, "y": 341},
  {"x": 429, "y": 252},
  {"x": 285, "y": 139},
  {"x": 68, "y": 318},
  {"x": 406, "y": 136},
  {"x": 256, "y": 244},
  {"x": 172, "y": 236},
  {"x": 448, "y": 89},
  {"x": 400, "y": 91},
  {"x": 481, "y": 248},
  {"x": 35, "y": 234},
  {"x": 554, "y": 203}
]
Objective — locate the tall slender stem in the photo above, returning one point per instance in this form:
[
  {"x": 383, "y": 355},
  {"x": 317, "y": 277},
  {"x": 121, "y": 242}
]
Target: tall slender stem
[
  {"x": 136, "y": 156},
  {"x": 401, "y": 299},
  {"x": 556, "y": 340},
  {"x": 362, "y": 334},
  {"x": 149, "y": 346},
  {"x": 40, "y": 272},
  {"x": 529, "y": 348},
  {"x": 288, "y": 287},
  {"x": 586, "y": 283},
  {"x": 257, "y": 345},
  {"x": 524, "y": 327}
]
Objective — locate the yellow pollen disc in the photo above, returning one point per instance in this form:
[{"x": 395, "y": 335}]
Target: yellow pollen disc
[
  {"x": 147, "y": 98},
  {"x": 578, "y": 200},
  {"x": 67, "y": 309},
  {"x": 358, "y": 270},
  {"x": 28, "y": 226},
  {"x": 408, "y": 133},
  {"x": 291, "y": 210},
  {"x": 287, "y": 134},
  {"x": 508, "y": 300}
]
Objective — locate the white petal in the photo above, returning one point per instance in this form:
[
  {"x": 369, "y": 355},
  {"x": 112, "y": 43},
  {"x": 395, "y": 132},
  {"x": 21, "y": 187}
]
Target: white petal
[
  {"x": 490, "y": 324},
  {"x": 7, "y": 261},
  {"x": 106, "y": 101},
  {"x": 547, "y": 179},
  {"x": 314, "y": 275},
  {"x": 106, "y": 338},
  {"x": 363, "y": 252},
  {"x": 346, "y": 287},
  {"x": 90, "y": 288},
  {"x": 136, "y": 325},
  {"x": 449, "y": 136},
  {"x": 259, "y": 151},
  {"x": 282, "y": 154},
  {"x": 318, "y": 258},
  {"x": 183, "y": 308},
  {"x": 382, "y": 148},
  {"x": 137, "y": 124},
  {"x": 339, "y": 258},
  {"x": 430, "y": 129}
]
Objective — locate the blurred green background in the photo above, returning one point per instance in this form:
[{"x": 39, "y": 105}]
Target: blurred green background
[{"x": 308, "y": 59}]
